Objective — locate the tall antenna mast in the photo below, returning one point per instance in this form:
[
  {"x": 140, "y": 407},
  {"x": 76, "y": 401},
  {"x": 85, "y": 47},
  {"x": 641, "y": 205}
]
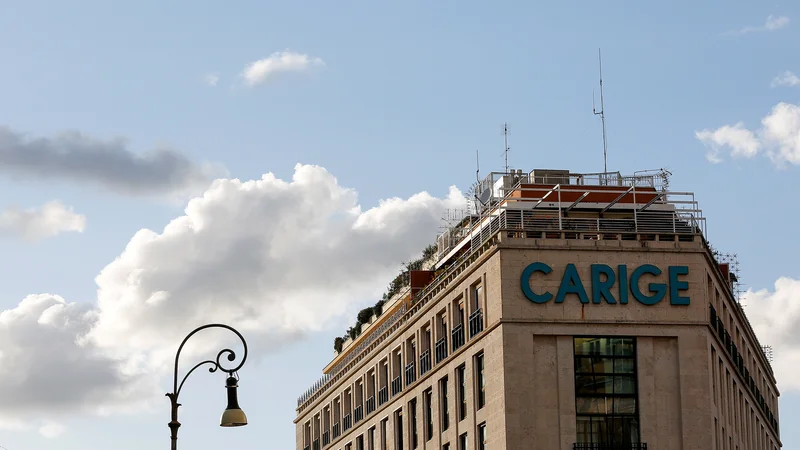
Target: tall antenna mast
[
  {"x": 477, "y": 167},
  {"x": 602, "y": 115},
  {"x": 505, "y": 138}
]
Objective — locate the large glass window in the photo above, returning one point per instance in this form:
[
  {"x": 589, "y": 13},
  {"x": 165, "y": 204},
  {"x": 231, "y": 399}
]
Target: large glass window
[
  {"x": 481, "y": 380},
  {"x": 462, "y": 392},
  {"x": 605, "y": 391}
]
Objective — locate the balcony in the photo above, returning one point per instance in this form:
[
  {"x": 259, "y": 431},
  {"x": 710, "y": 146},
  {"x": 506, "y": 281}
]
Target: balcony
[
  {"x": 632, "y": 446},
  {"x": 326, "y": 438},
  {"x": 397, "y": 386},
  {"x": 441, "y": 349},
  {"x": 347, "y": 422},
  {"x": 383, "y": 395},
  {"x": 370, "y": 405},
  {"x": 358, "y": 414},
  {"x": 411, "y": 373},
  {"x": 337, "y": 430},
  {"x": 315, "y": 444},
  {"x": 424, "y": 362},
  {"x": 458, "y": 336},
  {"x": 475, "y": 323}
]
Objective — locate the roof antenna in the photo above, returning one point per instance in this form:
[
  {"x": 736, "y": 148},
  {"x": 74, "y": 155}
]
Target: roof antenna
[
  {"x": 478, "y": 167},
  {"x": 505, "y": 138},
  {"x": 602, "y": 115}
]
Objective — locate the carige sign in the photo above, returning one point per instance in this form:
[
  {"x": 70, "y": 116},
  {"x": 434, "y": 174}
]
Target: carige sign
[{"x": 611, "y": 285}]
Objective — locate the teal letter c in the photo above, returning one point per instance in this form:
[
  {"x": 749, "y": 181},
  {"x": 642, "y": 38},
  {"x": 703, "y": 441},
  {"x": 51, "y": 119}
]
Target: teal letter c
[{"x": 526, "y": 285}]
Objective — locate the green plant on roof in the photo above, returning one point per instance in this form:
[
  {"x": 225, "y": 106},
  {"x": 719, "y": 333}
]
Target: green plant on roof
[{"x": 401, "y": 281}]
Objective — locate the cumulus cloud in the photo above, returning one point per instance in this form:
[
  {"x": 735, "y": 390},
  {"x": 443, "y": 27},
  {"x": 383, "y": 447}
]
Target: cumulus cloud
[
  {"x": 275, "y": 259},
  {"x": 778, "y": 138},
  {"x": 74, "y": 156},
  {"x": 740, "y": 140},
  {"x": 775, "y": 316},
  {"x": 34, "y": 224},
  {"x": 263, "y": 70},
  {"x": 40, "y": 338},
  {"x": 772, "y": 23},
  {"x": 786, "y": 79}
]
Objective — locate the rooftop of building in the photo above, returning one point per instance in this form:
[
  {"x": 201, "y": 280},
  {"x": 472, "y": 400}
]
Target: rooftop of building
[{"x": 541, "y": 202}]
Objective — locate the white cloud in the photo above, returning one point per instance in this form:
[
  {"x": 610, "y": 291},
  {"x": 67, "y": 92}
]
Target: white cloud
[
  {"x": 34, "y": 224},
  {"x": 39, "y": 338},
  {"x": 211, "y": 79},
  {"x": 80, "y": 158},
  {"x": 778, "y": 138},
  {"x": 275, "y": 259},
  {"x": 740, "y": 140},
  {"x": 786, "y": 79},
  {"x": 263, "y": 70},
  {"x": 772, "y": 23},
  {"x": 51, "y": 430},
  {"x": 775, "y": 317}
]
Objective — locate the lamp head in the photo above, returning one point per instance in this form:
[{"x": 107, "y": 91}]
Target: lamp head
[{"x": 233, "y": 416}]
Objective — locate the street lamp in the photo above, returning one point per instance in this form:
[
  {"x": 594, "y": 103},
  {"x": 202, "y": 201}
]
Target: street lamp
[{"x": 233, "y": 416}]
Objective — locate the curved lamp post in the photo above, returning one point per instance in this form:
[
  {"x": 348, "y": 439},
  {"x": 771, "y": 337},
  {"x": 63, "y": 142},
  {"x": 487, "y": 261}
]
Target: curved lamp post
[{"x": 233, "y": 416}]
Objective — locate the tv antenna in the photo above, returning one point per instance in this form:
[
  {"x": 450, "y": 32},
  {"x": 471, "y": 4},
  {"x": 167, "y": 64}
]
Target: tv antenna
[
  {"x": 505, "y": 139},
  {"x": 477, "y": 166},
  {"x": 601, "y": 114}
]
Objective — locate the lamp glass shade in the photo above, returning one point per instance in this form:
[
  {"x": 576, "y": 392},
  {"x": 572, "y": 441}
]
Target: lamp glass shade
[{"x": 233, "y": 416}]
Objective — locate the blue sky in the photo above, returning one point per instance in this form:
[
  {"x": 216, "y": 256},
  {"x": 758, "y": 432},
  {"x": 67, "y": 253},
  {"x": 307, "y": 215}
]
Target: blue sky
[{"x": 393, "y": 100}]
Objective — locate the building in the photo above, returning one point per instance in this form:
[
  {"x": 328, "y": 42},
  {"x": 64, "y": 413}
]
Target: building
[{"x": 568, "y": 311}]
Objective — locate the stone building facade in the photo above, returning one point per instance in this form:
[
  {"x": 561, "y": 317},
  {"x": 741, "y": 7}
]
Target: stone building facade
[{"x": 615, "y": 328}]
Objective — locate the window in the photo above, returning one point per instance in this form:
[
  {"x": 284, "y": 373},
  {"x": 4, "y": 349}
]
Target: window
[
  {"x": 444, "y": 406},
  {"x": 605, "y": 391},
  {"x": 481, "y": 380},
  {"x": 482, "y": 436},
  {"x": 371, "y": 439},
  {"x": 412, "y": 419},
  {"x": 384, "y": 427},
  {"x": 360, "y": 442},
  {"x": 462, "y": 392},
  {"x": 476, "y": 297},
  {"x": 446, "y": 446},
  {"x": 427, "y": 398},
  {"x": 348, "y": 446},
  {"x": 398, "y": 429},
  {"x": 462, "y": 442}
]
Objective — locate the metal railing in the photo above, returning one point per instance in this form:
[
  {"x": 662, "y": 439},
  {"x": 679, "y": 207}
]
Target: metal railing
[
  {"x": 358, "y": 413},
  {"x": 383, "y": 395},
  {"x": 370, "y": 404},
  {"x": 315, "y": 444},
  {"x": 347, "y": 422},
  {"x": 475, "y": 322},
  {"x": 337, "y": 430},
  {"x": 458, "y": 337},
  {"x": 411, "y": 373},
  {"x": 326, "y": 438},
  {"x": 397, "y": 385},
  {"x": 631, "y": 446},
  {"x": 424, "y": 362},
  {"x": 441, "y": 349}
]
